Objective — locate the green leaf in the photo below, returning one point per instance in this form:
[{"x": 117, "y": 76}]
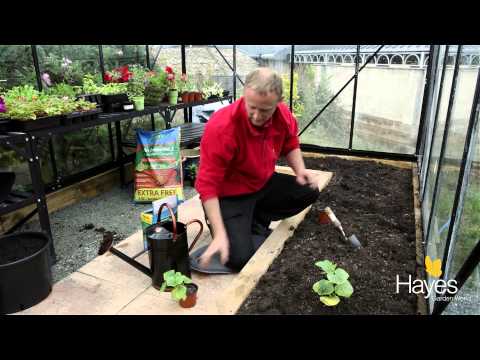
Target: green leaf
[
  {"x": 179, "y": 278},
  {"x": 326, "y": 265},
  {"x": 187, "y": 280},
  {"x": 179, "y": 293},
  {"x": 344, "y": 289},
  {"x": 323, "y": 287},
  {"x": 338, "y": 277},
  {"x": 169, "y": 277},
  {"x": 163, "y": 287},
  {"x": 331, "y": 300}
]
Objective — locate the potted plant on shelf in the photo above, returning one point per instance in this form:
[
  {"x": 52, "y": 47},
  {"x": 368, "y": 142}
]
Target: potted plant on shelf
[
  {"x": 156, "y": 87},
  {"x": 172, "y": 86},
  {"x": 182, "y": 88},
  {"x": 182, "y": 288},
  {"x": 29, "y": 109},
  {"x": 212, "y": 90},
  {"x": 136, "y": 87},
  {"x": 114, "y": 92},
  {"x": 335, "y": 285}
]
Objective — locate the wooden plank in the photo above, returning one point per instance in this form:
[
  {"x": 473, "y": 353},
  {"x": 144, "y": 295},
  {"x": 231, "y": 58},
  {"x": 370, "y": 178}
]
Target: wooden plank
[
  {"x": 420, "y": 255},
  {"x": 395, "y": 163},
  {"x": 241, "y": 286},
  {"x": 237, "y": 292}
]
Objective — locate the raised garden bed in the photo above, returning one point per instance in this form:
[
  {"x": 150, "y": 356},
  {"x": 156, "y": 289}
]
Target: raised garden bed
[{"x": 374, "y": 202}]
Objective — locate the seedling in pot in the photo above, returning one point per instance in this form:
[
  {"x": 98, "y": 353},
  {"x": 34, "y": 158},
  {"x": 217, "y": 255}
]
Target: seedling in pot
[
  {"x": 335, "y": 286},
  {"x": 180, "y": 285}
]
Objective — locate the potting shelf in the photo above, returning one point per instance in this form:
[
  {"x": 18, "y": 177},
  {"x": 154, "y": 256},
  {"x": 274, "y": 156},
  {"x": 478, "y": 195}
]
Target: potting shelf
[
  {"x": 16, "y": 200},
  {"x": 191, "y": 134}
]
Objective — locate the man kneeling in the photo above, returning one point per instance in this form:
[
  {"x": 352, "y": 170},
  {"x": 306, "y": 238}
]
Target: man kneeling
[{"x": 239, "y": 189}]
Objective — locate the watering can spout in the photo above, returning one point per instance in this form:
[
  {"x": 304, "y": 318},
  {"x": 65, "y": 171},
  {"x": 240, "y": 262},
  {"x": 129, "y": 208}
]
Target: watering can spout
[{"x": 107, "y": 246}]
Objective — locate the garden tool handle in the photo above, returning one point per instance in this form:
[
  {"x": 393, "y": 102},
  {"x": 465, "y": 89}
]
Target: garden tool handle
[
  {"x": 332, "y": 217},
  {"x": 174, "y": 221},
  {"x": 198, "y": 235}
]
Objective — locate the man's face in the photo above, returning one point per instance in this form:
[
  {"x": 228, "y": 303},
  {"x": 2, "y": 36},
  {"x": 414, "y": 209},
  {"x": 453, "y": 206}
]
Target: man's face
[{"x": 260, "y": 107}]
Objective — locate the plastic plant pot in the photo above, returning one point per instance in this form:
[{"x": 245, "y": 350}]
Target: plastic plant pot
[
  {"x": 191, "y": 299},
  {"x": 173, "y": 97},
  {"x": 139, "y": 103},
  {"x": 25, "y": 273}
]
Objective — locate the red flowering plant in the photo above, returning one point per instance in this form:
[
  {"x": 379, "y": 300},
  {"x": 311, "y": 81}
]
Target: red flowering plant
[
  {"x": 118, "y": 75},
  {"x": 183, "y": 83},
  {"x": 171, "y": 81}
]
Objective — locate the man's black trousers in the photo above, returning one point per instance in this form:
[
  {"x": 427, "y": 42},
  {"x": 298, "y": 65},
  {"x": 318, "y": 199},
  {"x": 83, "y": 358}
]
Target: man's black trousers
[{"x": 247, "y": 217}]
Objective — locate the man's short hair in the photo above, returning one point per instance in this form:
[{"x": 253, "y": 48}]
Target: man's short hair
[{"x": 265, "y": 80}]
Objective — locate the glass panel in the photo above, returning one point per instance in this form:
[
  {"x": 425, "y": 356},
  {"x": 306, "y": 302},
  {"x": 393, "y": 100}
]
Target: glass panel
[
  {"x": 82, "y": 150},
  {"x": 119, "y": 55},
  {"x": 451, "y": 162},
  {"x": 206, "y": 67},
  {"x": 467, "y": 300},
  {"x": 468, "y": 233},
  {"x": 389, "y": 99},
  {"x": 437, "y": 138},
  {"x": 16, "y": 66},
  {"x": 431, "y": 114},
  {"x": 10, "y": 161},
  {"x": 67, "y": 63},
  {"x": 250, "y": 57},
  {"x": 332, "y": 127},
  {"x": 322, "y": 70}
]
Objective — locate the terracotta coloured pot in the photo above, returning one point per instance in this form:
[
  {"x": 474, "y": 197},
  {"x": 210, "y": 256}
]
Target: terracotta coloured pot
[{"x": 191, "y": 299}]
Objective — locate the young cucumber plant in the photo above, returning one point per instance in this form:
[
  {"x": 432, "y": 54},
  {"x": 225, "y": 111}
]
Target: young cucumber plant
[
  {"x": 177, "y": 281},
  {"x": 335, "y": 286}
]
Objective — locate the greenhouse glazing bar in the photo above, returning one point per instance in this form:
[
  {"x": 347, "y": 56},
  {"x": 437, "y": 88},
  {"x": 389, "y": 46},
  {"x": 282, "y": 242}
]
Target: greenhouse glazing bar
[
  {"x": 354, "y": 100},
  {"x": 37, "y": 67},
  {"x": 435, "y": 123},
  {"x": 228, "y": 64},
  {"x": 234, "y": 72},
  {"x": 427, "y": 99},
  {"x": 462, "y": 181},
  {"x": 444, "y": 144},
  {"x": 292, "y": 69}
]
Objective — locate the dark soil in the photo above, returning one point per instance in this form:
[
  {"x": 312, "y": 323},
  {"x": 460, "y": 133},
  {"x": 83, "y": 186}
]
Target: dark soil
[
  {"x": 374, "y": 202},
  {"x": 19, "y": 248}
]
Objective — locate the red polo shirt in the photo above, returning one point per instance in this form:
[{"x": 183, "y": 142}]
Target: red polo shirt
[{"x": 238, "y": 158}]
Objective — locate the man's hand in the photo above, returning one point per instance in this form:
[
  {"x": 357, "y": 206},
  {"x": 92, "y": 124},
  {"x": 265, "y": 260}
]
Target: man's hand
[
  {"x": 305, "y": 177},
  {"x": 220, "y": 245}
]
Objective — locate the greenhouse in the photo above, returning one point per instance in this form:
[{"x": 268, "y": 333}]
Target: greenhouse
[{"x": 116, "y": 163}]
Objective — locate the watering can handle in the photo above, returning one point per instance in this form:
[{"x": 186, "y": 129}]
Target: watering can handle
[
  {"x": 198, "y": 235},
  {"x": 174, "y": 221}
]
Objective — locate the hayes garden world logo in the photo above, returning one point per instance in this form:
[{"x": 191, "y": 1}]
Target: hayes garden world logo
[{"x": 436, "y": 287}]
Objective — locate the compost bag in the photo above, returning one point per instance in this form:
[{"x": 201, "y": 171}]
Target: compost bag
[{"x": 158, "y": 165}]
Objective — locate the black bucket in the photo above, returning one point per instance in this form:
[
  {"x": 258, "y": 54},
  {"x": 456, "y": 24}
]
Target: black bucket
[{"x": 25, "y": 273}]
